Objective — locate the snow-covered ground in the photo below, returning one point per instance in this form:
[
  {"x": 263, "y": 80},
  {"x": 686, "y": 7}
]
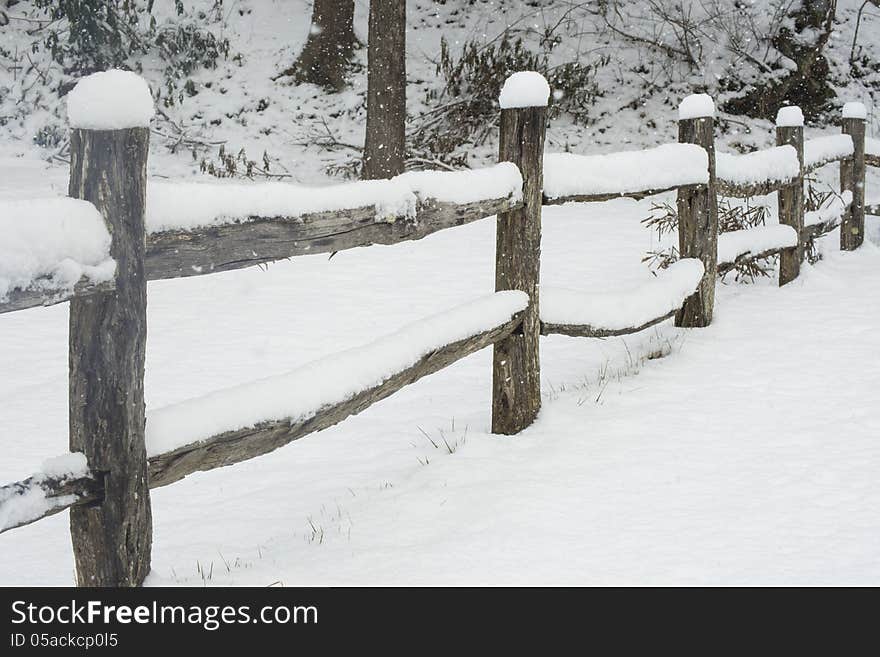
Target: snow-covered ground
[{"x": 742, "y": 453}]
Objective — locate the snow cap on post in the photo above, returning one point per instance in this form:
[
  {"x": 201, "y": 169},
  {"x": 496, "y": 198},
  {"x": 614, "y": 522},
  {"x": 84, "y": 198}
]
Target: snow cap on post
[
  {"x": 112, "y": 100},
  {"x": 854, "y": 110},
  {"x": 524, "y": 89},
  {"x": 696, "y": 106},
  {"x": 790, "y": 117}
]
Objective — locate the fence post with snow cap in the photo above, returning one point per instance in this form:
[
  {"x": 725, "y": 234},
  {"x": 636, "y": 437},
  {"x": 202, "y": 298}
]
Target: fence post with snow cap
[
  {"x": 790, "y": 132},
  {"x": 698, "y": 211},
  {"x": 109, "y": 116},
  {"x": 852, "y": 177},
  {"x": 516, "y": 375}
]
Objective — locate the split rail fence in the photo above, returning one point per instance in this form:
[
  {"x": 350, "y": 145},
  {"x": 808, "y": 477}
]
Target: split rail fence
[{"x": 108, "y": 493}]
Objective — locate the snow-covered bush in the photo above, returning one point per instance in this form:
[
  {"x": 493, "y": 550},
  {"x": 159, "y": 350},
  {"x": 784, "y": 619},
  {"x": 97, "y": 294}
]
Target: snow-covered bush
[
  {"x": 84, "y": 36},
  {"x": 465, "y": 108}
]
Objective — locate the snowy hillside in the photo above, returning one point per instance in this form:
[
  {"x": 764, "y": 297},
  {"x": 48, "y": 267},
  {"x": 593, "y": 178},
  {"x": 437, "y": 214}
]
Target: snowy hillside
[{"x": 312, "y": 135}]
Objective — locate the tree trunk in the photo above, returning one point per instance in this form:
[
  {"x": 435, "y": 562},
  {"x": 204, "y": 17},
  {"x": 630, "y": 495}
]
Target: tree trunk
[
  {"x": 385, "y": 146},
  {"x": 328, "y": 51}
]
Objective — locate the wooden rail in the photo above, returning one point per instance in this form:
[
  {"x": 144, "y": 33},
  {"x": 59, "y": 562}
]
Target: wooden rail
[
  {"x": 610, "y": 196},
  {"x": 588, "y": 331},
  {"x": 227, "y": 247},
  {"x": 231, "y": 447},
  {"x": 178, "y": 254},
  {"x": 111, "y": 517}
]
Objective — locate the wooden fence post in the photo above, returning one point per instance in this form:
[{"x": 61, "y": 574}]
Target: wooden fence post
[
  {"x": 112, "y": 539},
  {"x": 516, "y": 370},
  {"x": 852, "y": 178},
  {"x": 790, "y": 132},
  {"x": 698, "y": 212}
]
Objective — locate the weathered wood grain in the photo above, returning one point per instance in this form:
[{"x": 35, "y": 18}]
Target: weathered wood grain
[
  {"x": 178, "y": 254},
  {"x": 108, "y": 333},
  {"x": 587, "y": 331},
  {"x": 698, "y": 226},
  {"x": 828, "y": 160},
  {"x": 735, "y": 190},
  {"x": 35, "y": 298},
  {"x": 852, "y": 178},
  {"x": 743, "y": 258},
  {"x": 790, "y": 201},
  {"x": 516, "y": 366},
  {"x": 598, "y": 198}
]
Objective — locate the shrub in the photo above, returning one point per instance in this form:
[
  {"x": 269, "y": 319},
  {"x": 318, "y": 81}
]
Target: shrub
[
  {"x": 466, "y": 106},
  {"x": 85, "y": 36},
  {"x": 731, "y": 217}
]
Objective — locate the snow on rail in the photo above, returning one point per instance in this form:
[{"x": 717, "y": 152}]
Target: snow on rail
[
  {"x": 823, "y": 150},
  {"x": 20, "y": 505},
  {"x": 831, "y": 212},
  {"x": 189, "y": 205},
  {"x": 660, "y": 168},
  {"x": 777, "y": 164},
  {"x": 754, "y": 241},
  {"x": 326, "y": 381},
  {"x": 51, "y": 244},
  {"x": 623, "y": 309}
]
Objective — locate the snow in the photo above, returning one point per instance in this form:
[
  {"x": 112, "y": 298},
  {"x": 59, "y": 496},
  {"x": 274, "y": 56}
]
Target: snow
[
  {"x": 696, "y": 106},
  {"x": 789, "y": 117},
  {"x": 779, "y": 163},
  {"x": 524, "y": 89},
  {"x": 468, "y": 186},
  {"x": 188, "y": 205},
  {"x": 872, "y": 146},
  {"x": 73, "y": 464},
  {"x": 831, "y": 211},
  {"x": 326, "y": 381},
  {"x": 33, "y": 503},
  {"x": 755, "y": 240},
  {"x": 110, "y": 100},
  {"x": 670, "y": 165},
  {"x": 854, "y": 110},
  {"x": 829, "y": 148},
  {"x": 625, "y": 308},
  {"x": 51, "y": 244}
]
